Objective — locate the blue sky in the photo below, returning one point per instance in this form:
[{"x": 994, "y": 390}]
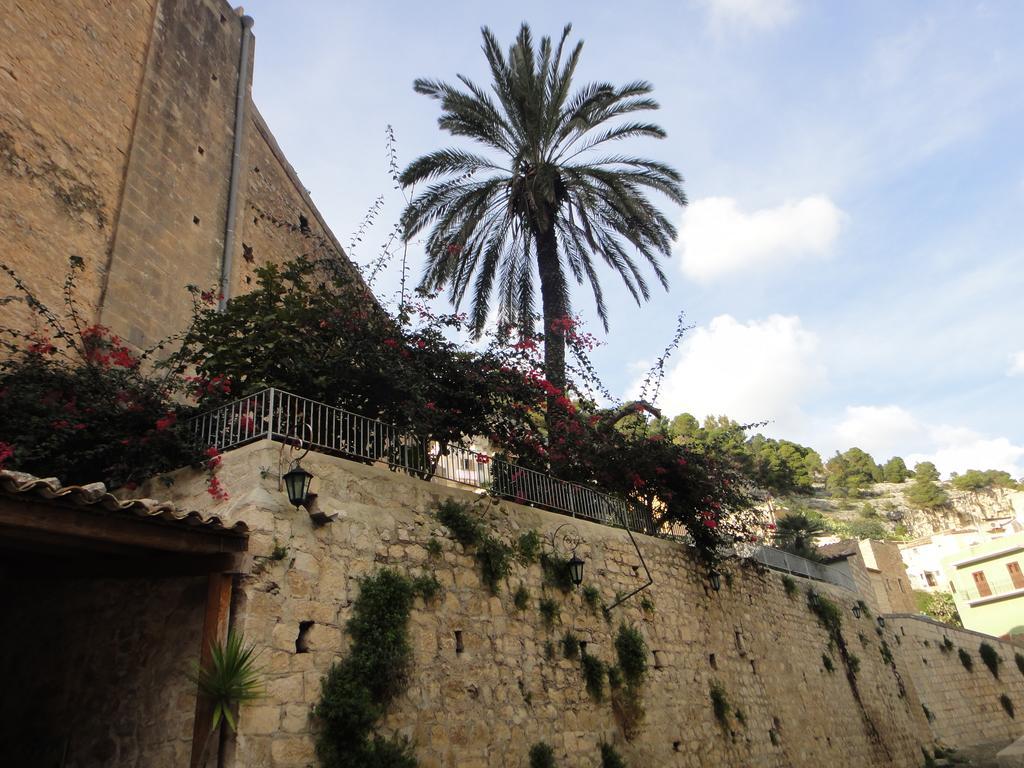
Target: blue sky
[{"x": 852, "y": 255}]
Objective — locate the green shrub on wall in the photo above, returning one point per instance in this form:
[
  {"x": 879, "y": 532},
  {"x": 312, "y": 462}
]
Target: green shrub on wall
[
  {"x": 521, "y": 598},
  {"x": 549, "y": 611},
  {"x": 495, "y": 560},
  {"x": 1007, "y": 703},
  {"x": 632, "y": 653},
  {"x": 991, "y": 658},
  {"x": 556, "y": 572},
  {"x": 592, "y": 597},
  {"x": 593, "y": 675},
  {"x": 966, "y": 660},
  {"x": 1019, "y": 658},
  {"x": 789, "y": 584},
  {"x": 542, "y": 755},
  {"x": 610, "y": 758},
  {"x": 455, "y": 516},
  {"x": 528, "y": 548},
  {"x": 570, "y": 645},
  {"x": 357, "y": 690},
  {"x": 493, "y": 556},
  {"x": 720, "y": 705}
]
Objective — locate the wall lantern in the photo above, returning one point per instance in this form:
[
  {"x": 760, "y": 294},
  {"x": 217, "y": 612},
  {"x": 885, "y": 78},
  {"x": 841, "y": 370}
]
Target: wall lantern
[
  {"x": 576, "y": 569},
  {"x": 716, "y": 580},
  {"x": 856, "y": 611},
  {"x": 881, "y": 622},
  {"x": 296, "y": 483}
]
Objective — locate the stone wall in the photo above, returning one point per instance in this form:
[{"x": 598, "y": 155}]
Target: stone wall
[
  {"x": 70, "y": 75},
  {"x": 171, "y": 229},
  {"x": 964, "y": 705},
  {"x": 116, "y": 142},
  {"x": 486, "y": 704},
  {"x": 106, "y": 661}
]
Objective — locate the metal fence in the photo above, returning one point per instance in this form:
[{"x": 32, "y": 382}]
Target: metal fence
[
  {"x": 277, "y": 415},
  {"x": 994, "y": 589},
  {"x": 778, "y": 560}
]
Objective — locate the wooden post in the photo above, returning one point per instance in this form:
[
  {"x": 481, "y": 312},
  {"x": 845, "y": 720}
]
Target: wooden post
[{"x": 215, "y": 630}]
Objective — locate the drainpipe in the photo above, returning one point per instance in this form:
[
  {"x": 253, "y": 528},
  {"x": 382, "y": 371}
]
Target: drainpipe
[{"x": 241, "y": 102}]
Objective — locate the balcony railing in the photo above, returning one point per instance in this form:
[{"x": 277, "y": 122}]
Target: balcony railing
[
  {"x": 779, "y": 560},
  {"x": 998, "y": 589},
  {"x": 277, "y": 415}
]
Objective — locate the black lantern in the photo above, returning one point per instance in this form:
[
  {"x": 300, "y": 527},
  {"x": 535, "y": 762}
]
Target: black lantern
[
  {"x": 716, "y": 581},
  {"x": 881, "y": 622},
  {"x": 576, "y": 569},
  {"x": 296, "y": 483},
  {"x": 856, "y": 611}
]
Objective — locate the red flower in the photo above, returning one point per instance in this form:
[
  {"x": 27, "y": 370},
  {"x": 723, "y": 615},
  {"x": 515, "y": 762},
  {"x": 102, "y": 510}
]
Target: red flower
[
  {"x": 60, "y": 424},
  {"x": 41, "y": 347},
  {"x": 6, "y": 452},
  {"x": 123, "y": 358},
  {"x": 390, "y": 343},
  {"x": 481, "y": 459},
  {"x": 431, "y": 405},
  {"x": 216, "y": 489},
  {"x": 421, "y": 344},
  {"x": 166, "y": 422},
  {"x": 710, "y": 522}
]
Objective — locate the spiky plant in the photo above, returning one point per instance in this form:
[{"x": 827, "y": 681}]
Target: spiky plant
[
  {"x": 547, "y": 199},
  {"x": 231, "y": 678}
]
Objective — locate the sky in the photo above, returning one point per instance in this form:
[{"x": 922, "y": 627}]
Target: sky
[{"x": 851, "y": 256}]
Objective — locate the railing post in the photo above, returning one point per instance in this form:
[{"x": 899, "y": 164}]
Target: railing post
[{"x": 270, "y": 419}]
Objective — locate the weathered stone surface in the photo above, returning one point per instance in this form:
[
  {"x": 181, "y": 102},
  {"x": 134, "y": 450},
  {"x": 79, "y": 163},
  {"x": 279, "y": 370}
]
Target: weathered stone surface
[{"x": 489, "y": 703}]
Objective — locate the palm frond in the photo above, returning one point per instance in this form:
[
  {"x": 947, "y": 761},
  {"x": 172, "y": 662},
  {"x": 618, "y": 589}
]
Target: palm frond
[{"x": 540, "y": 179}]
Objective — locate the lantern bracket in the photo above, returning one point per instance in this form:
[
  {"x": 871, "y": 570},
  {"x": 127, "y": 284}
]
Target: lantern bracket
[{"x": 290, "y": 444}]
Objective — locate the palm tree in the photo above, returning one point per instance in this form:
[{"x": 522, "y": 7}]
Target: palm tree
[
  {"x": 546, "y": 191},
  {"x": 797, "y": 532}
]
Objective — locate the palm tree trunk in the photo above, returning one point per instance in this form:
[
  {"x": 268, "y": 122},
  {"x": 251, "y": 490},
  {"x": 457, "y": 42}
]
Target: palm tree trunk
[{"x": 554, "y": 292}]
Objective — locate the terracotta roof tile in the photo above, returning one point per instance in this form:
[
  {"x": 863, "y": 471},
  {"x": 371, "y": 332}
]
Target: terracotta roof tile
[{"x": 96, "y": 495}]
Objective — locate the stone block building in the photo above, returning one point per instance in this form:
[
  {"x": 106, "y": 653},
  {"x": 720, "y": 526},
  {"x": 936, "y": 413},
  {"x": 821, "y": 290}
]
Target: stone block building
[{"x": 129, "y": 138}]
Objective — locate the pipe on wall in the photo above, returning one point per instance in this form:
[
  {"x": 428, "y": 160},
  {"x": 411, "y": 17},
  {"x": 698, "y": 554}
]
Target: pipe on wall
[{"x": 241, "y": 102}]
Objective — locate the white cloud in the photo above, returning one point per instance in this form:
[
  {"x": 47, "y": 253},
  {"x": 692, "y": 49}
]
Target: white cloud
[
  {"x": 882, "y": 431},
  {"x": 889, "y": 430},
  {"x": 749, "y": 14},
  {"x": 1016, "y": 364},
  {"x": 748, "y": 371},
  {"x": 716, "y": 238}
]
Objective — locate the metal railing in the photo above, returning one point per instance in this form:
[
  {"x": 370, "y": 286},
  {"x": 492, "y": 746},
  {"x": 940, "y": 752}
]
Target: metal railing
[
  {"x": 277, "y": 415},
  {"x": 996, "y": 588},
  {"x": 779, "y": 560}
]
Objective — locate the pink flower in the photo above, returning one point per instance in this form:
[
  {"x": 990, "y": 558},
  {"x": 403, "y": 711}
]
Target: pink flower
[{"x": 6, "y": 452}]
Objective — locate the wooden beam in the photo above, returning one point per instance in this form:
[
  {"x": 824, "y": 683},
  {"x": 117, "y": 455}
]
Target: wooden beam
[
  {"x": 215, "y": 630},
  {"x": 116, "y": 528},
  {"x": 41, "y": 556}
]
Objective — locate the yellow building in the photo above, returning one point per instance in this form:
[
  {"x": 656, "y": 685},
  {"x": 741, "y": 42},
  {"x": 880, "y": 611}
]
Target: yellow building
[{"x": 987, "y": 582}]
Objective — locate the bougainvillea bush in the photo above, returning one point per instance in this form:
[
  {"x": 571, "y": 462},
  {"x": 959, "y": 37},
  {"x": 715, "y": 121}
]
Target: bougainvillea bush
[
  {"x": 329, "y": 340},
  {"x": 77, "y": 404}
]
